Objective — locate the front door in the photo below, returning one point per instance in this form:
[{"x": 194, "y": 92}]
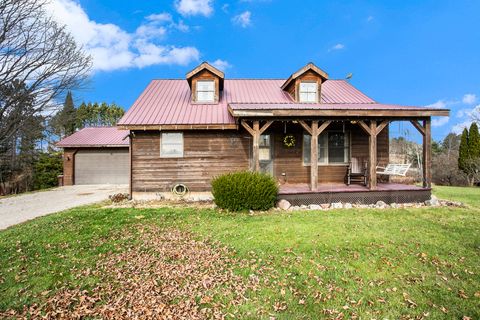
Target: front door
[{"x": 266, "y": 154}]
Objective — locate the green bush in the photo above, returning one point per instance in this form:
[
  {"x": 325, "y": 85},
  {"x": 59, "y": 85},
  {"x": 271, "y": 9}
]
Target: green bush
[
  {"x": 46, "y": 170},
  {"x": 245, "y": 190}
]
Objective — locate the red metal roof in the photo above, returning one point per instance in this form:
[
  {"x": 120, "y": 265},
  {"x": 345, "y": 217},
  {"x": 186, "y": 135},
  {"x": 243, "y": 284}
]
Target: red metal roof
[
  {"x": 168, "y": 102},
  {"x": 326, "y": 106},
  {"x": 96, "y": 137}
]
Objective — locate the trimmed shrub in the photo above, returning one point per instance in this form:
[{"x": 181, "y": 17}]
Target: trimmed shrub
[{"x": 245, "y": 190}]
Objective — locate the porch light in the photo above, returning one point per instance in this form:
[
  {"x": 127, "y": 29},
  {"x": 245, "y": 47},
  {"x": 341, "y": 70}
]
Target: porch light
[{"x": 353, "y": 121}]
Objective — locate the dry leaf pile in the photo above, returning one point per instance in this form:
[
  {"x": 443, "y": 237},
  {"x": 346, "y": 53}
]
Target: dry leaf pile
[{"x": 166, "y": 275}]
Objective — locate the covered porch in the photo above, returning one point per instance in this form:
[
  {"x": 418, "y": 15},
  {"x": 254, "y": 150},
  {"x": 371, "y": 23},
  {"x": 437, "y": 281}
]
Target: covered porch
[{"x": 317, "y": 179}]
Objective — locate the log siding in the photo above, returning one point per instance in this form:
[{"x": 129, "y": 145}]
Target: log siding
[
  {"x": 211, "y": 153},
  {"x": 206, "y": 154}
]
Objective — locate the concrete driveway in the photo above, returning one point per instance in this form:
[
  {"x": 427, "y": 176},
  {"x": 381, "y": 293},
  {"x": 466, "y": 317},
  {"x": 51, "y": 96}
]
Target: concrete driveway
[{"x": 20, "y": 208}]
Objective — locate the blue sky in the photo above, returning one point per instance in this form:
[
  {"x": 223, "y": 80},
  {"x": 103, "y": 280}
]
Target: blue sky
[{"x": 402, "y": 52}]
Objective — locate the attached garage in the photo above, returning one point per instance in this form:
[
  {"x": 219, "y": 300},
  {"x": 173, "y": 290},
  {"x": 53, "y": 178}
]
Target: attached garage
[
  {"x": 98, "y": 155},
  {"x": 101, "y": 166}
]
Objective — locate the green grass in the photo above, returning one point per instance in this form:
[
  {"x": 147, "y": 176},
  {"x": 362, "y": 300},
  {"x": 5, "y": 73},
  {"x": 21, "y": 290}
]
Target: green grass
[
  {"x": 467, "y": 195},
  {"x": 359, "y": 262}
]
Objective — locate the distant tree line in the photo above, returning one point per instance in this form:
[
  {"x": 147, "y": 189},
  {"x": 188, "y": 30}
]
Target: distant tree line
[{"x": 69, "y": 119}]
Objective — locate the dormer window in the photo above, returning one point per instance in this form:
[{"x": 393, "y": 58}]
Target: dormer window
[
  {"x": 206, "y": 83},
  {"x": 305, "y": 85},
  {"x": 308, "y": 92},
  {"x": 205, "y": 91}
]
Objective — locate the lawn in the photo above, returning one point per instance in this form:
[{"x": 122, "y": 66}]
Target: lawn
[{"x": 362, "y": 263}]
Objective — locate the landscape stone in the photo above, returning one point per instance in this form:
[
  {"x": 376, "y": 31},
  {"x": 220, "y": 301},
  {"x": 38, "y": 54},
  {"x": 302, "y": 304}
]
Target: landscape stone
[
  {"x": 380, "y": 204},
  {"x": 314, "y": 207},
  {"x": 433, "y": 201},
  {"x": 284, "y": 204},
  {"x": 336, "y": 205},
  {"x": 325, "y": 205},
  {"x": 348, "y": 205}
]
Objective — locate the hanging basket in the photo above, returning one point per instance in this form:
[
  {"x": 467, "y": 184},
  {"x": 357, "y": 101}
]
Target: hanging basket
[{"x": 289, "y": 141}]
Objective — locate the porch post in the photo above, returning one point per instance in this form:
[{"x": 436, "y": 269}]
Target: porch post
[
  {"x": 255, "y": 132},
  {"x": 427, "y": 154},
  {"x": 372, "y": 145},
  {"x": 314, "y": 157},
  {"x": 256, "y": 142}
]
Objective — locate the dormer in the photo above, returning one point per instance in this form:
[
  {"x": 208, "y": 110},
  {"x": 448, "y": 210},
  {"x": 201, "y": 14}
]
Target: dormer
[
  {"x": 305, "y": 85},
  {"x": 206, "y": 83}
]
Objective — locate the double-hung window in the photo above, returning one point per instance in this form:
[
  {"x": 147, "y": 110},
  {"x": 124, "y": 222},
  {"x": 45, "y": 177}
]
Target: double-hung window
[
  {"x": 205, "y": 91},
  {"x": 333, "y": 147},
  {"x": 171, "y": 145},
  {"x": 308, "y": 92}
]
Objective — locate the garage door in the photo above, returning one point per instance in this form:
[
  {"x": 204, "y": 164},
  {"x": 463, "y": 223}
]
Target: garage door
[{"x": 101, "y": 166}]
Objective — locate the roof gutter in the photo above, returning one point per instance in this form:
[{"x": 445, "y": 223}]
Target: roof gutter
[{"x": 403, "y": 113}]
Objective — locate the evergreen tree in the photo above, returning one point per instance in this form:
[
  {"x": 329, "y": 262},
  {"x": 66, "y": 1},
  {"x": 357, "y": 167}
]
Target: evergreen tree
[
  {"x": 64, "y": 122},
  {"x": 474, "y": 142},
  {"x": 69, "y": 114},
  {"x": 463, "y": 154}
]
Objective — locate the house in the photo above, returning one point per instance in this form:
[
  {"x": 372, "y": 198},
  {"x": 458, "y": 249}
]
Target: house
[
  {"x": 305, "y": 130},
  {"x": 96, "y": 155}
]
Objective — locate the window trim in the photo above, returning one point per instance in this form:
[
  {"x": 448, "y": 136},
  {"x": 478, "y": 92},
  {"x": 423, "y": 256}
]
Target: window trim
[
  {"x": 325, "y": 164},
  {"x": 300, "y": 91},
  {"x": 197, "y": 91},
  {"x": 172, "y": 156}
]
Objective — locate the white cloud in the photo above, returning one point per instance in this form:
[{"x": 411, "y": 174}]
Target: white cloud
[
  {"x": 194, "y": 7},
  {"x": 114, "y": 48},
  {"x": 160, "y": 17},
  {"x": 458, "y": 128},
  {"x": 370, "y": 18},
  {"x": 181, "y": 26},
  {"x": 472, "y": 114},
  {"x": 462, "y": 113},
  {"x": 165, "y": 19},
  {"x": 440, "y": 104},
  {"x": 469, "y": 98},
  {"x": 151, "y": 54},
  {"x": 243, "y": 19},
  {"x": 338, "y": 46},
  {"x": 150, "y": 31},
  {"x": 221, "y": 64},
  {"x": 440, "y": 121}
]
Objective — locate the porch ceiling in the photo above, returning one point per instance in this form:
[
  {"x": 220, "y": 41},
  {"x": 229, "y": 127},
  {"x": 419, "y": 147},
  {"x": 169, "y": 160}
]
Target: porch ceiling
[{"x": 331, "y": 110}]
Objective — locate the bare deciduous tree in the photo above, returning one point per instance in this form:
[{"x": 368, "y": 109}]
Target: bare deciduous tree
[
  {"x": 475, "y": 114},
  {"x": 36, "y": 53}
]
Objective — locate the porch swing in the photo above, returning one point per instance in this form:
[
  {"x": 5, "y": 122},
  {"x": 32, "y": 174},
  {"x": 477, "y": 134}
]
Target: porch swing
[{"x": 396, "y": 169}]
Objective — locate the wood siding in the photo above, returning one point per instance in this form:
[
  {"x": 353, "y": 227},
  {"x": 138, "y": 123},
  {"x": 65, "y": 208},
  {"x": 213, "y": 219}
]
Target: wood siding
[
  {"x": 211, "y": 153},
  {"x": 206, "y": 155},
  {"x": 289, "y": 161},
  {"x": 68, "y": 166}
]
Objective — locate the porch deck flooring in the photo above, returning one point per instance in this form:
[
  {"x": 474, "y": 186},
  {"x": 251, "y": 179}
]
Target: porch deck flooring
[{"x": 298, "y": 188}]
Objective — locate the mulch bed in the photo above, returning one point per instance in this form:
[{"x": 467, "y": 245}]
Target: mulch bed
[{"x": 166, "y": 274}]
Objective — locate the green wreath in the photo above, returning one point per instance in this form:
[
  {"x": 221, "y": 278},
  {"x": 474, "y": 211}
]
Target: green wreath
[{"x": 289, "y": 141}]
